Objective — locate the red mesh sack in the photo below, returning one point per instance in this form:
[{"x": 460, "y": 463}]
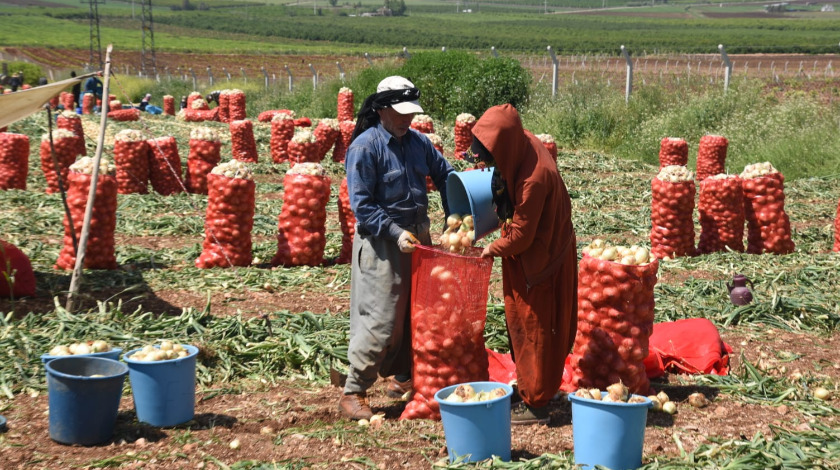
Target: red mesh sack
[
  {"x": 711, "y": 156},
  {"x": 345, "y": 105},
  {"x": 99, "y": 253},
  {"x": 301, "y": 224},
  {"x": 423, "y": 123},
  {"x": 242, "y": 143},
  {"x": 128, "y": 114},
  {"x": 205, "y": 149},
  {"x": 721, "y": 209},
  {"x": 282, "y": 131},
  {"x": 437, "y": 142},
  {"x": 236, "y": 105},
  {"x": 200, "y": 115},
  {"x": 66, "y": 146},
  {"x": 68, "y": 100},
  {"x": 114, "y": 105},
  {"x": 464, "y": 123},
  {"x": 326, "y": 133},
  {"x": 549, "y": 144},
  {"x": 837, "y": 228},
  {"x": 343, "y": 140},
  {"x": 673, "y": 151},
  {"x": 17, "y": 279},
  {"x": 194, "y": 95},
  {"x": 230, "y": 217},
  {"x": 131, "y": 157},
  {"x": 304, "y": 148},
  {"x": 88, "y": 102},
  {"x": 14, "y": 160},
  {"x": 224, "y": 106},
  {"x": 73, "y": 122},
  {"x": 672, "y": 208},
  {"x": 169, "y": 105},
  {"x": 615, "y": 320},
  {"x": 347, "y": 220},
  {"x": 448, "y": 311},
  {"x": 267, "y": 116},
  {"x": 768, "y": 225},
  {"x": 165, "y": 166}
]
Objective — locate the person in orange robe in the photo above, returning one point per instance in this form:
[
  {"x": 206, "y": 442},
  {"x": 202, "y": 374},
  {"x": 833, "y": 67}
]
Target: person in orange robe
[{"x": 539, "y": 257}]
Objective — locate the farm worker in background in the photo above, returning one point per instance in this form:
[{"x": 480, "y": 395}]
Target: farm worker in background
[
  {"x": 387, "y": 163},
  {"x": 539, "y": 257},
  {"x": 145, "y": 102},
  {"x": 93, "y": 85},
  {"x": 77, "y": 88},
  {"x": 16, "y": 81}
]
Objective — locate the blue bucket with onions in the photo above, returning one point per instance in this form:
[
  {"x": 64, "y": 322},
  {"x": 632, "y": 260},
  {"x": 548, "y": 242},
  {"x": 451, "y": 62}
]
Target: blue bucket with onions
[{"x": 470, "y": 192}]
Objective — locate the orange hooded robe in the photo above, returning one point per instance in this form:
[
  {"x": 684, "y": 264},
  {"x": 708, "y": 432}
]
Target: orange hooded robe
[{"x": 539, "y": 255}]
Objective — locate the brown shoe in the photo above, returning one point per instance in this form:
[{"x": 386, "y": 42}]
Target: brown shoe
[
  {"x": 355, "y": 406},
  {"x": 397, "y": 389}
]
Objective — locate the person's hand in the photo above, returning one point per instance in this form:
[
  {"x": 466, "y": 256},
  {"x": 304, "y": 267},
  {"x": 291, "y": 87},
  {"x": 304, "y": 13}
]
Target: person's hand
[
  {"x": 485, "y": 253},
  {"x": 407, "y": 241}
]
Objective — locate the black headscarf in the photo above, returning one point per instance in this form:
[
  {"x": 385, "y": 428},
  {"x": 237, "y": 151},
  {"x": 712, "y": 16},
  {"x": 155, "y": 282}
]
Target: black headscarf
[{"x": 368, "y": 116}]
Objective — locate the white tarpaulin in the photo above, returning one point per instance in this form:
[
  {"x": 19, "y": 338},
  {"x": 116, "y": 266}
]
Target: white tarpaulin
[{"x": 20, "y": 104}]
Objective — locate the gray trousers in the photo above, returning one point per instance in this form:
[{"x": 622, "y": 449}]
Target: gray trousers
[{"x": 380, "y": 309}]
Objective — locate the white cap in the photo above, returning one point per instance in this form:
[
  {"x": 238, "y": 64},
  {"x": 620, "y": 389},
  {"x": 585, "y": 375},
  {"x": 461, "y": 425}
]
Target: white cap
[{"x": 396, "y": 82}]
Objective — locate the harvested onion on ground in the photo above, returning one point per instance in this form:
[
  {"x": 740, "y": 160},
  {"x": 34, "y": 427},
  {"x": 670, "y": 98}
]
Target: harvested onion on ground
[
  {"x": 166, "y": 351},
  {"x": 84, "y": 347},
  {"x": 459, "y": 233},
  {"x": 632, "y": 255}
]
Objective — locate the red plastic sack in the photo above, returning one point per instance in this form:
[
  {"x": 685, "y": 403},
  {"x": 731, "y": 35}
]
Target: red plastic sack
[
  {"x": 448, "y": 312},
  {"x": 100, "y": 252},
  {"x": 73, "y": 122},
  {"x": 282, "y": 131},
  {"x": 768, "y": 225},
  {"x": 165, "y": 166},
  {"x": 673, "y": 151},
  {"x": 66, "y": 148},
  {"x": 721, "y": 209},
  {"x": 205, "y": 148},
  {"x": 500, "y": 367},
  {"x": 243, "y": 147},
  {"x": 228, "y": 222},
  {"x": 464, "y": 123},
  {"x": 17, "y": 279},
  {"x": 301, "y": 224},
  {"x": 14, "y": 160},
  {"x": 711, "y": 156},
  {"x": 672, "y": 209},
  {"x": 345, "y": 107},
  {"x": 131, "y": 157},
  {"x": 689, "y": 346}
]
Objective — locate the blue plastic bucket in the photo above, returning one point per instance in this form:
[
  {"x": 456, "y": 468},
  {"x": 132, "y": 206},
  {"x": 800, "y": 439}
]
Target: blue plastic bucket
[
  {"x": 114, "y": 354},
  {"x": 469, "y": 192},
  {"x": 608, "y": 434},
  {"x": 479, "y": 430},
  {"x": 83, "y": 409},
  {"x": 163, "y": 391}
]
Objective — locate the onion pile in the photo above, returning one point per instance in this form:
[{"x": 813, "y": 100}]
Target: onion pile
[
  {"x": 345, "y": 106},
  {"x": 282, "y": 131},
  {"x": 549, "y": 143},
  {"x": 768, "y": 225},
  {"x": 326, "y": 133},
  {"x": 66, "y": 150},
  {"x": 14, "y": 160},
  {"x": 634, "y": 255},
  {"x": 343, "y": 140},
  {"x": 464, "y": 123},
  {"x": 465, "y": 393},
  {"x": 165, "y": 352},
  {"x": 205, "y": 147},
  {"x": 721, "y": 209},
  {"x": 673, "y": 151},
  {"x": 459, "y": 234},
  {"x": 131, "y": 157},
  {"x": 229, "y": 218},
  {"x": 243, "y": 147},
  {"x": 73, "y": 122},
  {"x": 84, "y": 347},
  {"x": 303, "y": 148},
  {"x": 423, "y": 123},
  {"x": 169, "y": 105},
  {"x": 347, "y": 220},
  {"x": 100, "y": 251},
  {"x": 616, "y": 393},
  {"x": 711, "y": 156},
  {"x": 165, "y": 166},
  {"x": 672, "y": 208},
  {"x": 301, "y": 224}
]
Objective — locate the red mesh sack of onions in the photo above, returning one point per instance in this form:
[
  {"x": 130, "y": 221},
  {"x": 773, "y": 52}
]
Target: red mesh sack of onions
[
  {"x": 88, "y": 102},
  {"x": 114, "y": 105},
  {"x": 18, "y": 278},
  {"x": 267, "y": 116},
  {"x": 282, "y": 131},
  {"x": 224, "y": 106},
  {"x": 198, "y": 115},
  {"x": 194, "y": 95},
  {"x": 66, "y": 148},
  {"x": 448, "y": 311},
  {"x": 615, "y": 317},
  {"x": 236, "y": 105},
  {"x": 165, "y": 166},
  {"x": 303, "y": 148},
  {"x": 131, "y": 157},
  {"x": 343, "y": 140},
  {"x": 837, "y": 229},
  {"x": 464, "y": 123},
  {"x": 14, "y": 160},
  {"x": 99, "y": 252},
  {"x": 549, "y": 144},
  {"x": 301, "y": 224},
  {"x": 230, "y": 217},
  {"x": 169, "y": 105},
  {"x": 68, "y": 101},
  {"x": 672, "y": 209},
  {"x": 205, "y": 146},
  {"x": 73, "y": 122},
  {"x": 711, "y": 156},
  {"x": 347, "y": 220},
  {"x": 423, "y": 123},
  {"x": 721, "y": 209},
  {"x": 326, "y": 133},
  {"x": 768, "y": 225},
  {"x": 437, "y": 142},
  {"x": 673, "y": 151},
  {"x": 124, "y": 115},
  {"x": 345, "y": 107},
  {"x": 243, "y": 147}
]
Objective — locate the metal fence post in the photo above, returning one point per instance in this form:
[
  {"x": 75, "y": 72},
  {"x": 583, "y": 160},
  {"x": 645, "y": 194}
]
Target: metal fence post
[
  {"x": 340, "y": 71},
  {"x": 291, "y": 80},
  {"x": 405, "y": 53},
  {"x": 494, "y": 52},
  {"x": 244, "y": 77},
  {"x": 195, "y": 80},
  {"x": 314, "y": 77},
  {"x": 265, "y": 76},
  {"x": 628, "y": 84},
  {"x": 367, "y": 57},
  {"x": 554, "y": 72},
  {"x": 210, "y": 75},
  {"x": 728, "y": 70}
]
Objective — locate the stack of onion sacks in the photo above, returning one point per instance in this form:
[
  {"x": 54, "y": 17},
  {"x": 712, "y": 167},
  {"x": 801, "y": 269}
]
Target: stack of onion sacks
[
  {"x": 672, "y": 208},
  {"x": 345, "y": 108},
  {"x": 711, "y": 156},
  {"x": 282, "y": 131},
  {"x": 73, "y": 122},
  {"x": 99, "y": 253},
  {"x": 194, "y": 95},
  {"x": 423, "y": 123},
  {"x": 768, "y": 225},
  {"x": 230, "y": 216},
  {"x": 66, "y": 150},
  {"x": 615, "y": 317},
  {"x": 326, "y": 133},
  {"x": 347, "y": 220},
  {"x": 14, "y": 160},
  {"x": 343, "y": 140},
  {"x": 165, "y": 166},
  {"x": 549, "y": 143},
  {"x": 303, "y": 148},
  {"x": 673, "y": 151},
  {"x": 464, "y": 123},
  {"x": 721, "y": 209},
  {"x": 205, "y": 147},
  {"x": 301, "y": 224}
]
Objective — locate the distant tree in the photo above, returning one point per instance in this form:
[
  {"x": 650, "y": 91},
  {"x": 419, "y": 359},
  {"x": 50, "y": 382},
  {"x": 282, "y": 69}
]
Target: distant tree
[
  {"x": 397, "y": 7},
  {"x": 333, "y": 2}
]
